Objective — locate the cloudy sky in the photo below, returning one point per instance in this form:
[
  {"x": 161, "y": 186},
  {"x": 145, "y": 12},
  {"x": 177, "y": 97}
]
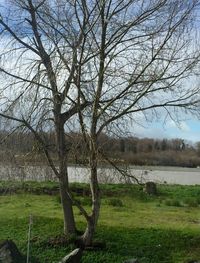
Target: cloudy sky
[{"x": 188, "y": 129}]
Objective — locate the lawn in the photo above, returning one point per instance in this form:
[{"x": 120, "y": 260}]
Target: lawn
[{"x": 165, "y": 228}]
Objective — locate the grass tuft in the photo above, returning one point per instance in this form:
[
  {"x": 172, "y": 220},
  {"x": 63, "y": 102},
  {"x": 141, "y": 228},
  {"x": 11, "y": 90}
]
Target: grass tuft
[
  {"x": 116, "y": 202},
  {"x": 173, "y": 202}
]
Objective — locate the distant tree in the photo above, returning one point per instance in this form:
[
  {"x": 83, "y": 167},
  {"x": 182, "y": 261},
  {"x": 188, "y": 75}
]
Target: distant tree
[
  {"x": 134, "y": 143},
  {"x": 183, "y": 146},
  {"x": 157, "y": 145},
  {"x": 164, "y": 145},
  {"x": 198, "y": 148},
  {"x": 122, "y": 145},
  {"x": 177, "y": 144}
]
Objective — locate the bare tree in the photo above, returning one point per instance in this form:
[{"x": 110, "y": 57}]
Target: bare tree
[
  {"x": 144, "y": 61},
  {"x": 39, "y": 92},
  {"x": 94, "y": 63}
]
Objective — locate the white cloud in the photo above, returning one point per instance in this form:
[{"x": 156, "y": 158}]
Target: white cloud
[
  {"x": 187, "y": 130},
  {"x": 182, "y": 125}
]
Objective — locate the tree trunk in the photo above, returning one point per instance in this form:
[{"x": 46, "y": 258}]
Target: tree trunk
[
  {"x": 69, "y": 221},
  {"x": 87, "y": 237}
]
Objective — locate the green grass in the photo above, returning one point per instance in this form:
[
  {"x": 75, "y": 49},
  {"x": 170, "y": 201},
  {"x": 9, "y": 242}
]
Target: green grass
[{"x": 143, "y": 227}]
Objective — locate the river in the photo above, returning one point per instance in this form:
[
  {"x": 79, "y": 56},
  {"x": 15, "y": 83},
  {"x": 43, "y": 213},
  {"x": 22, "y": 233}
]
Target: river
[{"x": 169, "y": 175}]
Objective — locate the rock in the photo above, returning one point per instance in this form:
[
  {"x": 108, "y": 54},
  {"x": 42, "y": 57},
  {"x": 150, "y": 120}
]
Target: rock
[
  {"x": 73, "y": 257},
  {"x": 150, "y": 188},
  {"x": 193, "y": 261},
  {"x": 133, "y": 260},
  {"x": 9, "y": 252}
]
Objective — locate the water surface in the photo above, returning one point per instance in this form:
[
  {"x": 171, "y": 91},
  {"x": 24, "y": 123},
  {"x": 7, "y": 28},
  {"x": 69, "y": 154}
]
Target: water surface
[{"x": 169, "y": 175}]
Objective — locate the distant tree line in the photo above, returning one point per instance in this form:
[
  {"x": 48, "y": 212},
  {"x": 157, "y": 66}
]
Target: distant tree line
[
  {"x": 129, "y": 150},
  {"x": 148, "y": 151}
]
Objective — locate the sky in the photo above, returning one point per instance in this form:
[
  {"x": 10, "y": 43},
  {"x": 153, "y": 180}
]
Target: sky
[{"x": 188, "y": 130}]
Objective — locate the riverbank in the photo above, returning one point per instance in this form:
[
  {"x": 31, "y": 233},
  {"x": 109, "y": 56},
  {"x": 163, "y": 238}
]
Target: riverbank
[{"x": 154, "y": 229}]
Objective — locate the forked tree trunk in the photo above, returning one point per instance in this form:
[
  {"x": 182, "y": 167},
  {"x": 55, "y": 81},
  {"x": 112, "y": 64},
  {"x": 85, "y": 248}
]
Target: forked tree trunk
[{"x": 88, "y": 236}]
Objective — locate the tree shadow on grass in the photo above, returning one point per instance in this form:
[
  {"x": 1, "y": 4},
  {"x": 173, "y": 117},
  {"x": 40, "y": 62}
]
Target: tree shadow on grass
[{"x": 150, "y": 245}]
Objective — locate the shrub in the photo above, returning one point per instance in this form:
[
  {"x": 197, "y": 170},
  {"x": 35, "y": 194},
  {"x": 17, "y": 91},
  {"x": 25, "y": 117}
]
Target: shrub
[
  {"x": 191, "y": 202},
  {"x": 115, "y": 202},
  {"x": 198, "y": 200},
  {"x": 85, "y": 201},
  {"x": 173, "y": 202},
  {"x": 58, "y": 199}
]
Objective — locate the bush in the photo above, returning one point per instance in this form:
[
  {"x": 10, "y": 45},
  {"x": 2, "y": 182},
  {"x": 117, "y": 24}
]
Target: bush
[
  {"x": 191, "y": 202},
  {"x": 115, "y": 202},
  {"x": 198, "y": 200},
  {"x": 173, "y": 202},
  {"x": 58, "y": 199},
  {"x": 85, "y": 201}
]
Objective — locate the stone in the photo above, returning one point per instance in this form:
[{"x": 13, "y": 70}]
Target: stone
[
  {"x": 9, "y": 252},
  {"x": 150, "y": 188},
  {"x": 193, "y": 261},
  {"x": 74, "y": 257},
  {"x": 133, "y": 260}
]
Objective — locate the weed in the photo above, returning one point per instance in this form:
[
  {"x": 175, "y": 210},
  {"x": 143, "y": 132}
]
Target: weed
[
  {"x": 115, "y": 202},
  {"x": 58, "y": 199},
  {"x": 173, "y": 202},
  {"x": 85, "y": 201},
  {"x": 191, "y": 202}
]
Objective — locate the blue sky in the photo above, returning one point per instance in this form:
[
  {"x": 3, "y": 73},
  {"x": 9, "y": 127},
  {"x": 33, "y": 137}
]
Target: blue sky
[{"x": 188, "y": 129}]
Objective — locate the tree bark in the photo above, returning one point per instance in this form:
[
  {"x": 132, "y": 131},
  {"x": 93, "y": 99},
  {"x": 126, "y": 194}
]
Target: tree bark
[
  {"x": 69, "y": 221},
  {"x": 87, "y": 237}
]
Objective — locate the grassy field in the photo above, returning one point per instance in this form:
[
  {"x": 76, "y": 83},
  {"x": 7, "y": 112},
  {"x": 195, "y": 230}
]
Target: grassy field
[{"x": 165, "y": 228}]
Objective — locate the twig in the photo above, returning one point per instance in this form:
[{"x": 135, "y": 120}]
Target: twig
[
  {"x": 29, "y": 237},
  {"x": 121, "y": 171}
]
